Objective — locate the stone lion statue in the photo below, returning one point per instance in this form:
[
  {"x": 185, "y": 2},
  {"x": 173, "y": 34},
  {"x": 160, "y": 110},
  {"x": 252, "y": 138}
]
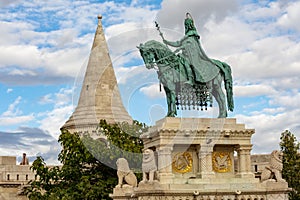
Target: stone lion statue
[
  {"x": 148, "y": 166},
  {"x": 274, "y": 169},
  {"x": 125, "y": 175}
]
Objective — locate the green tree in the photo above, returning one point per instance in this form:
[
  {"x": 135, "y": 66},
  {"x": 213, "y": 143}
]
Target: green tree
[
  {"x": 82, "y": 175},
  {"x": 291, "y": 163}
]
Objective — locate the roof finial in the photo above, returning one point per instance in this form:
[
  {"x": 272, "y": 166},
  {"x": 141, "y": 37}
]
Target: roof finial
[{"x": 99, "y": 16}]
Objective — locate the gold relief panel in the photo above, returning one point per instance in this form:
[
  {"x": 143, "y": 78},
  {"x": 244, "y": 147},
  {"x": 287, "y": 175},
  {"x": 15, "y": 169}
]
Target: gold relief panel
[
  {"x": 182, "y": 162},
  {"x": 222, "y": 162}
]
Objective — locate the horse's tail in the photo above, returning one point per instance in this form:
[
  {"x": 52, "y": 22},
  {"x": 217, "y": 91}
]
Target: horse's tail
[{"x": 226, "y": 72}]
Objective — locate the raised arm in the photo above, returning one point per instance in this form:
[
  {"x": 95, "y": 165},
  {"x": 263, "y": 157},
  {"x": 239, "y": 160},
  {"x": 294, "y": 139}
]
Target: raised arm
[{"x": 174, "y": 44}]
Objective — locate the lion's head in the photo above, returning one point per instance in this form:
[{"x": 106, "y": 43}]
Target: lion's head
[
  {"x": 148, "y": 155},
  {"x": 276, "y": 160},
  {"x": 148, "y": 161},
  {"x": 122, "y": 165}
]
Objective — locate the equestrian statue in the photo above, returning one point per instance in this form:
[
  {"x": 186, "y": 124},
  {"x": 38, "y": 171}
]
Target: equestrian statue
[{"x": 190, "y": 79}]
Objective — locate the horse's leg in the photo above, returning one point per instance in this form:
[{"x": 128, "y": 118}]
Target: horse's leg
[
  {"x": 217, "y": 92},
  {"x": 171, "y": 101},
  {"x": 167, "y": 91}
]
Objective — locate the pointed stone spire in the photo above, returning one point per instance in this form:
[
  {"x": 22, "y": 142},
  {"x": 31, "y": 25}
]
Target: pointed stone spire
[{"x": 100, "y": 97}]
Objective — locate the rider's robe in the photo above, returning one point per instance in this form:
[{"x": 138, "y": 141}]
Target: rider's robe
[{"x": 204, "y": 69}]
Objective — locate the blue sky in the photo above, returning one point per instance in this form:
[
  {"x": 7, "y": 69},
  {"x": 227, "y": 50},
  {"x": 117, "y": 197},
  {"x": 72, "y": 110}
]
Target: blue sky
[{"x": 45, "y": 46}]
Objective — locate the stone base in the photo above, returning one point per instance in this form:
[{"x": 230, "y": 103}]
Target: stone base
[
  {"x": 207, "y": 175},
  {"x": 208, "y": 191},
  {"x": 196, "y": 161},
  {"x": 245, "y": 175},
  {"x": 165, "y": 178},
  {"x": 125, "y": 191},
  {"x": 273, "y": 185}
]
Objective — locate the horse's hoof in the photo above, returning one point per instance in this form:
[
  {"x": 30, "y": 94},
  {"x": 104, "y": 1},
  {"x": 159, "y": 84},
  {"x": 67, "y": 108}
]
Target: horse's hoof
[
  {"x": 222, "y": 116},
  {"x": 171, "y": 115}
]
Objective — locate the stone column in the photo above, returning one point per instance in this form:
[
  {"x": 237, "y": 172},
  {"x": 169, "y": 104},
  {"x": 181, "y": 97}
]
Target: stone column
[
  {"x": 244, "y": 159},
  {"x": 165, "y": 164},
  {"x": 205, "y": 161}
]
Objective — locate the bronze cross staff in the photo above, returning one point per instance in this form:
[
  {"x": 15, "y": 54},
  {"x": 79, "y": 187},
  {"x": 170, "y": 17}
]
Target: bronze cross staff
[
  {"x": 162, "y": 36},
  {"x": 160, "y": 33},
  {"x": 158, "y": 28}
]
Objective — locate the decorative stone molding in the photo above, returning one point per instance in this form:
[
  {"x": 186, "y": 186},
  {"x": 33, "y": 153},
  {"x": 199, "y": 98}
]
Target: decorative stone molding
[
  {"x": 222, "y": 162},
  {"x": 182, "y": 162}
]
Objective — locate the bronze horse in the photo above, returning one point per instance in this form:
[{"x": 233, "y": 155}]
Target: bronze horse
[{"x": 170, "y": 69}]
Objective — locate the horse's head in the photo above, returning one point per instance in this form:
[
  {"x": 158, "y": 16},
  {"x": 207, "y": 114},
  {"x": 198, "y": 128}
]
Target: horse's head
[{"x": 147, "y": 55}]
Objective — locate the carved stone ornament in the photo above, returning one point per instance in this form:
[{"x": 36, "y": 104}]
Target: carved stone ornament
[
  {"x": 221, "y": 162},
  {"x": 182, "y": 162},
  {"x": 274, "y": 170},
  {"x": 148, "y": 166},
  {"x": 125, "y": 176}
]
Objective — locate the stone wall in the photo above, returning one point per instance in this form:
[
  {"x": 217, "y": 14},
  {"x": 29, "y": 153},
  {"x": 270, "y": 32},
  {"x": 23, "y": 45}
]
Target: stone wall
[{"x": 12, "y": 178}]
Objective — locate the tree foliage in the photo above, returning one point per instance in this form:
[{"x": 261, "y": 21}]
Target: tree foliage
[
  {"x": 123, "y": 141},
  {"x": 291, "y": 163},
  {"x": 88, "y": 165}
]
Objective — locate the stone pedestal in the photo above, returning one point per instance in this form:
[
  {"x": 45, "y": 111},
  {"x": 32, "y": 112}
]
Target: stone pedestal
[{"x": 196, "y": 160}]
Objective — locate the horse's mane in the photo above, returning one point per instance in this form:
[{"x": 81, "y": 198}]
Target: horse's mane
[
  {"x": 160, "y": 49},
  {"x": 157, "y": 45}
]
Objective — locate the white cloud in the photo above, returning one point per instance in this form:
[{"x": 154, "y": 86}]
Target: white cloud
[
  {"x": 14, "y": 116},
  {"x": 37, "y": 141},
  {"x": 135, "y": 14},
  {"x": 221, "y": 39},
  {"x": 20, "y": 55},
  {"x": 152, "y": 91},
  {"x": 63, "y": 97},
  {"x": 253, "y": 90},
  {"x": 7, "y": 2},
  {"x": 256, "y": 11},
  {"x": 16, "y": 32},
  {"x": 61, "y": 51},
  {"x": 125, "y": 73},
  {"x": 17, "y": 120},
  {"x": 46, "y": 99},
  {"x": 269, "y": 126},
  {"x": 173, "y": 11},
  {"x": 32, "y": 141},
  {"x": 9, "y": 90},
  {"x": 51, "y": 121},
  {"x": 12, "y": 109},
  {"x": 291, "y": 18},
  {"x": 290, "y": 100},
  {"x": 269, "y": 58},
  {"x": 65, "y": 62},
  {"x": 22, "y": 72}
]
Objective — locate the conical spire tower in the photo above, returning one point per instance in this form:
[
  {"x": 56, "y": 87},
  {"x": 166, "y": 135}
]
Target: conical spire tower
[{"x": 100, "y": 97}]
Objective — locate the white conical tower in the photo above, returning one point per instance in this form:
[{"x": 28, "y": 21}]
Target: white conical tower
[{"x": 100, "y": 97}]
